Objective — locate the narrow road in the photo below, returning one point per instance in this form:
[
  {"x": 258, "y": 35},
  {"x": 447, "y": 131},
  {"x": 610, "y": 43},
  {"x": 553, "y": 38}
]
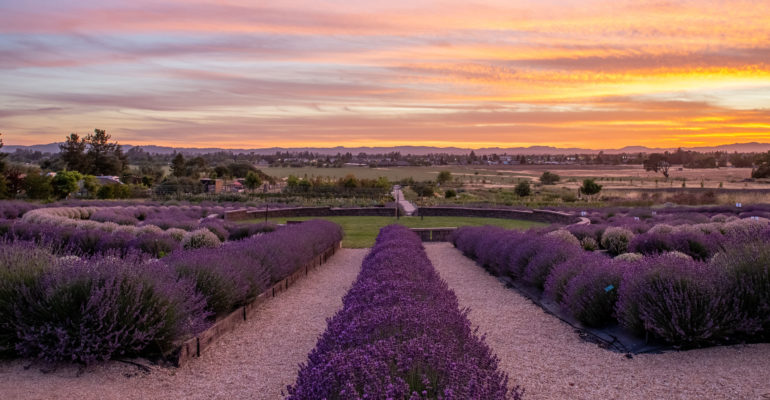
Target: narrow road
[
  {"x": 550, "y": 361},
  {"x": 407, "y": 206},
  {"x": 256, "y": 361}
]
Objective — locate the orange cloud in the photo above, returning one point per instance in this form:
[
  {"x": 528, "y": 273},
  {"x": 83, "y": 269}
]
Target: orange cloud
[{"x": 499, "y": 72}]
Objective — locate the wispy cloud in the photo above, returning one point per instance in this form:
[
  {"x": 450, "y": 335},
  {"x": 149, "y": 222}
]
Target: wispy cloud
[{"x": 589, "y": 73}]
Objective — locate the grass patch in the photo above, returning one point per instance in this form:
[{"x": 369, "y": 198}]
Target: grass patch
[{"x": 361, "y": 231}]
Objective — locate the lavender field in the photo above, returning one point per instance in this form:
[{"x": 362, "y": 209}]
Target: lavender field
[
  {"x": 686, "y": 277},
  {"x": 87, "y": 285}
]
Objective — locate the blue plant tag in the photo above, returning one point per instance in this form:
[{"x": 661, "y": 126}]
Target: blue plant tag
[{"x": 608, "y": 288}]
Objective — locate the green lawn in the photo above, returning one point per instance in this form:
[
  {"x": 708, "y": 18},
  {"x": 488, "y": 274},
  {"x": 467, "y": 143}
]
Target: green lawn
[{"x": 361, "y": 231}]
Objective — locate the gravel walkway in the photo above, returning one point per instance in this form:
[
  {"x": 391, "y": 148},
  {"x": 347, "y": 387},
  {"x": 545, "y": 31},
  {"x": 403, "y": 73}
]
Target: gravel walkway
[
  {"x": 545, "y": 355},
  {"x": 256, "y": 361}
]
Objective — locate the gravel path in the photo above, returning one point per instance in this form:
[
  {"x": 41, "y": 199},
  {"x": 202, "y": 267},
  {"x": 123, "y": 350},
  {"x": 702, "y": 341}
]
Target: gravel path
[
  {"x": 545, "y": 355},
  {"x": 256, "y": 361}
]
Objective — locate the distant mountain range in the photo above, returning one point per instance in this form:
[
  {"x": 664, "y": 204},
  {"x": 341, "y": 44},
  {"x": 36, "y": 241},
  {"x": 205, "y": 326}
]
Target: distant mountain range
[{"x": 415, "y": 150}]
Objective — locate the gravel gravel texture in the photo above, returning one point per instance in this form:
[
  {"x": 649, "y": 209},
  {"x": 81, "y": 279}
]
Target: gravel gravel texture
[
  {"x": 547, "y": 358},
  {"x": 256, "y": 361}
]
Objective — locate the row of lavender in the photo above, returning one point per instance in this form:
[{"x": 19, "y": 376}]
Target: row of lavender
[
  {"x": 86, "y": 309},
  {"x": 82, "y": 240},
  {"x": 719, "y": 293},
  {"x": 155, "y": 230},
  {"x": 400, "y": 334}
]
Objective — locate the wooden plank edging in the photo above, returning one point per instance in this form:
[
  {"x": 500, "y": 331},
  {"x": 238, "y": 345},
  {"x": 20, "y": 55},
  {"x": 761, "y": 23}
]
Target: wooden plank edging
[{"x": 194, "y": 347}]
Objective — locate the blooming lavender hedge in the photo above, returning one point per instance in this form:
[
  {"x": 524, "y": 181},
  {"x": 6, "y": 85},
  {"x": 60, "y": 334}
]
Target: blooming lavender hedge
[
  {"x": 88, "y": 309},
  {"x": 400, "y": 334},
  {"x": 696, "y": 284},
  {"x": 236, "y": 272}
]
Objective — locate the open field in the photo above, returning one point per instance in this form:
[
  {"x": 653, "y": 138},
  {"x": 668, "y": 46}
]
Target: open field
[
  {"x": 361, "y": 231},
  {"x": 613, "y": 176}
]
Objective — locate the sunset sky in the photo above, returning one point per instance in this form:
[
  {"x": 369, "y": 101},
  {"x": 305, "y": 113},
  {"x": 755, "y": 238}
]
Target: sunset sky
[{"x": 194, "y": 73}]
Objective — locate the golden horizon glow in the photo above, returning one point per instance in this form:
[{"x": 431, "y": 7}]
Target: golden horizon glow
[{"x": 591, "y": 74}]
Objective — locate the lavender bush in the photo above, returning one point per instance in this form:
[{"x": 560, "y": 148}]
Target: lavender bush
[
  {"x": 616, "y": 240},
  {"x": 747, "y": 270},
  {"x": 590, "y": 295},
  {"x": 236, "y": 272},
  {"x": 87, "y": 310},
  {"x": 561, "y": 274},
  {"x": 677, "y": 300},
  {"x": 21, "y": 265},
  {"x": 400, "y": 334}
]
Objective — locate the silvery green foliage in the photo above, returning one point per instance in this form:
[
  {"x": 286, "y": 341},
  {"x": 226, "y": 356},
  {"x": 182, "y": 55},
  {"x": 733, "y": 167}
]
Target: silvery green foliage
[
  {"x": 615, "y": 240},
  {"x": 201, "y": 238}
]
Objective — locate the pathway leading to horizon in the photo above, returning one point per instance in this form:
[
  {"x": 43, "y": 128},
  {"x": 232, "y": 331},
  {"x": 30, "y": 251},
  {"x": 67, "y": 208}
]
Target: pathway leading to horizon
[
  {"x": 547, "y": 358},
  {"x": 256, "y": 361},
  {"x": 407, "y": 206}
]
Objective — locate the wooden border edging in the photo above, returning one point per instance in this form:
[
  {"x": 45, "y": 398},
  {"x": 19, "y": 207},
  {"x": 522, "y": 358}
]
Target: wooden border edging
[{"x": 194, "y": 347}]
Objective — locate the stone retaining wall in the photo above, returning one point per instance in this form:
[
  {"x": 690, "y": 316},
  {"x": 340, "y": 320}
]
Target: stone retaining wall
[
  {"x": 296, "y": 212},
  {"x": 546, "y": 216}
]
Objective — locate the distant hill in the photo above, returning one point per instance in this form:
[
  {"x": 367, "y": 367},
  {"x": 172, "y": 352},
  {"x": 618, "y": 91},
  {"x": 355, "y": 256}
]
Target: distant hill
[{"x": 415, "y": 150}]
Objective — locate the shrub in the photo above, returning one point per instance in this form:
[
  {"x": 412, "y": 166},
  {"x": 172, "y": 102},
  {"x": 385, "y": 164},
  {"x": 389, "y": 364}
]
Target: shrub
[
  {"x": 591, "y": 294},
  {"x": 176, "y": 233},
  {"x": 565, "y": 236},
  {"x": 201, "y": 238},
  {"x": 242, "y": 231},
  {"x": 216, "y": 227},
  {"x": 400, "y": 334},
  {"x": 593, "y": 231},
  {"x": 747, "y": 270},
  {"x": 92, "y": 310},
  {"x": 157, "y": 245},
  {"x": 21, "y": 266},
  {"x": 523, "y": 189},
  {"x": 227, "y": 276},
  {"x": 589, "y": 244},
  {"x": 675, "y": 299},
  {"x": 692, "y": 242},
  {"x": 616, "y": 240},
  {"x": 550, "y": 252},
  {"x": 556, "y": 283},
  {"x": 549, "y": 178},
  {"x": 629, "y": 257}
]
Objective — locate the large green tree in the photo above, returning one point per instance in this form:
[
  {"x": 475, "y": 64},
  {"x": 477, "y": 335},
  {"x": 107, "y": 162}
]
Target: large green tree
[
  {"x": 37, "y": 186},
  {"x": 73, "y": 153},
  {"x": 590, "y": 187},
  {"x": 762, "y": 168},
  {"x": 65, "y": 183},
  {"x": 657, "y": 162},
  {"x": 253, "y": 181},
  {"x": 178, "y": 166},
  {"x": 104, "y": 157}
]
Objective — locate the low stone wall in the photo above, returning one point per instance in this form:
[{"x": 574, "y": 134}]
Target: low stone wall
[
  {"x": 194, "y": 347},
  {"x": 546, "y": 216},
  {"x": 296, "y": 212},
  {"x": 434, "y": 234}
]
